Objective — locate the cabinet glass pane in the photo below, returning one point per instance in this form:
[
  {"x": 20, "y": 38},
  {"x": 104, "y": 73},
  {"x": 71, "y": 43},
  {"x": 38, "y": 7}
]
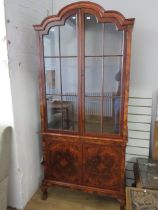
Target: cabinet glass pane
[
  {"x": 103, "y": 66},
  {"x": 93, "y": 36},
  {"x": 112, "y": 94},
  {"x": 68, "y": 37},
  {"x": 62, "y": 112},
  {"x": 93, "y": 82},
  {"x": 53, "y": 91},
  {"x": 51, "y": 42},
  {"x": 61, "y": 76},
  {"x": 69, "y": 74},
  {"x": 70, "y": 112},
  {"x": 113, "y": 40},
  {"x": 62, "y": 109},
  {"x": 93, "y": 114},
  {"x": 93, "y": 76},
  {"x": 108, "y": 109},
  {"x": 54, "y": 117},
  {"x": 52, "y": 76}
]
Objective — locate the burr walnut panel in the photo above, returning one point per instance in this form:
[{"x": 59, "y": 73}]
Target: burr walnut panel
[
  {"x": 101, "y": 164},
  {"x": 65, "y": 162}
]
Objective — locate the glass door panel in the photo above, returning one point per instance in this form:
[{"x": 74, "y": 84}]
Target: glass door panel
[
  {"x": 112, "y": 94},
  {"x": 93, "y": 114},
  {"x": 61, "y": 75},
  {"x": 93, "y": 74},
  {"x": 53, "y": 91},
  {"x": 51, "y": 42},
  {"x": 52, "y": 76},
  {"x": 103, "y": 67},
  {"x": 93, "y": 86},
  {"x": 69, "y": 74},
  {"x": 93, "y": 36},
  {"x": 68, "y": 37},
  {"x": 113, "y": 40}
]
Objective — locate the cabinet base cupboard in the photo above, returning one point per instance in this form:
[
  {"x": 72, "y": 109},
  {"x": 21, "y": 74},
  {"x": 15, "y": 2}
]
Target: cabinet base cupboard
[{"x": 84, "y": 68}]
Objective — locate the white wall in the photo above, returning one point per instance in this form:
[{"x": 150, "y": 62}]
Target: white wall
[
  {"x": 144, "y": 62},
  {"x": 26, "y": 171},
  {"x": 6, "y": 111},
  {"x": 6, "y": 116}
]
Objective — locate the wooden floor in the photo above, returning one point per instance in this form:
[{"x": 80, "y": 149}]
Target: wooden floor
[{"x": 66, "y": 199}]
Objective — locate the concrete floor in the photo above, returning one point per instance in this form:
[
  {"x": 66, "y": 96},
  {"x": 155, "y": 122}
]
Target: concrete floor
[{"x": 66, "y": 199}]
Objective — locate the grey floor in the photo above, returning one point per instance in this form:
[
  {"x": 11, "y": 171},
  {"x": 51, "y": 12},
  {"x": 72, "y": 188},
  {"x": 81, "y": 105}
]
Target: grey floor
[{"x": 66, "y": 199}]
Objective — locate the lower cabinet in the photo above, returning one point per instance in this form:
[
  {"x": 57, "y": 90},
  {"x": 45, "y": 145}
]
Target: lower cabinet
[
  {"x": 85, "y": 163},
  {"x": 73, "y": 161}
]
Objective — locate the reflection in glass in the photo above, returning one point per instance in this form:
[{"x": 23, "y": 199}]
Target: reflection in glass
[
  {"x": 93, "y": 36},
  {"x": 61, "y": 93},
  {"x": 112, "y": 65},
  {"x": 93, "y": 79},
  {"x": 51, "y": 42},
  {"x": 108, "y": 111},
  {"x": 112, "y": 94},
  {"x": 68, "y": 37},
  {"x": 92, "y": 114},
  {"x": 54, "y": 118},
  {"x": 62, "y": 113}
]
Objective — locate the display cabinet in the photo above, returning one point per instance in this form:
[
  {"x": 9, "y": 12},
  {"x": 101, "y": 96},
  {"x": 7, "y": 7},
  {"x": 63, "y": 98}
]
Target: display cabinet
[{"x": 84, "y": 68}]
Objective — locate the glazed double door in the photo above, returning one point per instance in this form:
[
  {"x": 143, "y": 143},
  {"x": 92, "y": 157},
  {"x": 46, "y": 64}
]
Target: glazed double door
[
  {"x": 77, "y": 162},
  {"x": 83, "y": 67}
]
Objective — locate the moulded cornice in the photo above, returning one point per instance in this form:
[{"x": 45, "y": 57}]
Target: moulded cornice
[{"x": 101, "y": 14}]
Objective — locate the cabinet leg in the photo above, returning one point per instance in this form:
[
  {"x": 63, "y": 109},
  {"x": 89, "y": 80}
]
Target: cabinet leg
[
  {"x": 44, "y": 193},
  {"x": 122, "y": 204},
  {"x": 122, "y": 207}
]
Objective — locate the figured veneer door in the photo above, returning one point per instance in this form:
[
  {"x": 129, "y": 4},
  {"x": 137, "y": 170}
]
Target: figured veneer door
[
  {"x": 64, "y": 159},
  {"x": 102, "y": 166}
]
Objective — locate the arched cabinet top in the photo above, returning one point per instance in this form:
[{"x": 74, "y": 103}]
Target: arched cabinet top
[{"x": 102, "y": 15}]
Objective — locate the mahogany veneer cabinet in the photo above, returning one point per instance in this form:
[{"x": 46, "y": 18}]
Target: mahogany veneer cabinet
[{"x": 84, "y": 68}]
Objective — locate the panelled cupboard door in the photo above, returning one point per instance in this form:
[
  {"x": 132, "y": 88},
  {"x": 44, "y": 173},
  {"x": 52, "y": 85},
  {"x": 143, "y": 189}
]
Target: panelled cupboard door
[
  {"x": 102, "y": 166},
  {"x": 64, "y": 160}
]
